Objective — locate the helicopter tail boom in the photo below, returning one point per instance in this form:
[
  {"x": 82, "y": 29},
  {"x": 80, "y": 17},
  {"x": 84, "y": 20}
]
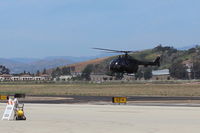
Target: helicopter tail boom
[
  {"x": 157, "y": 61},
  {"x": 154, "y": 63}
]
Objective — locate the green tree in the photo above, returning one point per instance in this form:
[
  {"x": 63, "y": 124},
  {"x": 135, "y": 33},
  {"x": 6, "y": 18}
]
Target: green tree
[
  {"x": 178, "y": 70},
  {"x": 56, "y": 73},
  {"x": 25, "y": 72},
  {"x": 147, "y": 73},
  {"x": 66, "y": 71},
  {"x": 139, "y": 74},
  {"x": 87, "y": 71},
  {"x": 119, "y": 76},
  {"x": 4, "y": 70},
  {"x": 195, "y": 70},
  {"x": 38, "y": 73},
  {"x": 144, "y": 72},
  {"x": 44, "y": 71}
]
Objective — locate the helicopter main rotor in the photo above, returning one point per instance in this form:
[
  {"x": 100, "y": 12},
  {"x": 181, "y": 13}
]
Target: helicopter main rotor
[{"x": 114, "y": 51}]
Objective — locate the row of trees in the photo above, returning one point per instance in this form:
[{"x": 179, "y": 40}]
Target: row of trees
[
  {"x": 195, "y": 71},
  {"x": 62, "y": 71},
  {"x": 143, "y": 72},
  {"x": 180, "y": 71},
  {"x": 91, "y": 68},
  {"x": 177, "y": 70},
  {"x": 4, "y": 70}
]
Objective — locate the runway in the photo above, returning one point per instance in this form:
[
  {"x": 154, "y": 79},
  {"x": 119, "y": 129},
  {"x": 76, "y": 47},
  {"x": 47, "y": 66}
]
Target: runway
[
  {"x": 87, "y": 118},
  {"x": 107, "y": 100},
  {"x": 189, "y": 101}
]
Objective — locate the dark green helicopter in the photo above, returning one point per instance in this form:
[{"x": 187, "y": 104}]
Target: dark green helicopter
[{"x": 127, "y": 64}]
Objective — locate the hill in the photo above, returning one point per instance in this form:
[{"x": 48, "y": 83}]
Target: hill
[
  {"x": 19, "y": 65},
  {"x": 78, "y": 67},
  {"x": 169, "y": 55}
]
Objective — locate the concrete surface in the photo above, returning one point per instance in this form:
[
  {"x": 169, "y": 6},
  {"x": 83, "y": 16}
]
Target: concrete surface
[{"x": 82, "y": 118}]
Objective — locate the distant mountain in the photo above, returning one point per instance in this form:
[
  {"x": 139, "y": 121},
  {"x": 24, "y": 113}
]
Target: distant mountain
[
  {"x": 47, "y": 64},
  {"x": 70, "y": 58},
  {"x": 25, "y": 60},
  {"x": 19, "y": 65},
  {"x": 11, "y": 64},
  {"x": 81, "y": 59}
]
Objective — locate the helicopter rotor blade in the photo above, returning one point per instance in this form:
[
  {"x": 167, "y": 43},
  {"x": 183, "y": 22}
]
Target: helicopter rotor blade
[
  {"x": 115, "y": 51},
  {"x": 107, "y": 50}
]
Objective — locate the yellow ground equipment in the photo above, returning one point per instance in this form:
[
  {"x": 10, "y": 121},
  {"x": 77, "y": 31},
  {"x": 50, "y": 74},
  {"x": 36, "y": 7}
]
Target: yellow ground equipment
[
  {"x": 19, "y": 112},
  {"x": 3, "y": 97},
  {"x": 119, "y": 100}
]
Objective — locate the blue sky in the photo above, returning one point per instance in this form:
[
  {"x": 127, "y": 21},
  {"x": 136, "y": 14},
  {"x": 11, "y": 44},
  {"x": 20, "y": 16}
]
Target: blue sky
[{"x": 41, "y": 28}]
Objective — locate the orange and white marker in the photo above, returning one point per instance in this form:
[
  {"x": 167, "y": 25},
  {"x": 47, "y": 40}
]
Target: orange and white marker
[{"x": 9, "y": 109}]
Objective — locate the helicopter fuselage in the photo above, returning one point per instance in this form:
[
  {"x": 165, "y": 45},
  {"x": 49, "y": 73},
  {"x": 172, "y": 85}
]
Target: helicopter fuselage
[
  {"x": 127, "y": 64},
  {"x": 123, "y": 65}
]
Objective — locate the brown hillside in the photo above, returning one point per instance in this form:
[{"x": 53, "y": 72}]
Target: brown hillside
[{"x": 78, "y": 67}]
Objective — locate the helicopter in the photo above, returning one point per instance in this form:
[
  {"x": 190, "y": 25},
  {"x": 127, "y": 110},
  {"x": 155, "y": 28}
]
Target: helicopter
[{"x": 127, "y": 64}]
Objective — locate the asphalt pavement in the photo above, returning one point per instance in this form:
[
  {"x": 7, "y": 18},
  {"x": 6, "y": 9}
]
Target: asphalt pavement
[{"x": 131, "y": 100}]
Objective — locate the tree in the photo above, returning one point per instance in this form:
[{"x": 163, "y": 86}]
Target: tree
[
  {"x": 56, "y": 73},
  {"x": 178, "y": 70},
  {"x": 144, "y": 72},
  {"x": 4, "y": 70},
  {"x": 25, "y": 72},
  {"x": 87, "y": 71},
  {"x": 147, "y": 73},
  {"x": 66, "y": 71},
  {"x": 38, "y": 73},
  {"x": 44, "y": 71},
  {"x": 139, "y": 74},
  {"x": 119, "y": 76},
  {"x": 167, "y": 49},
  {"x": 195, "y": 70}
]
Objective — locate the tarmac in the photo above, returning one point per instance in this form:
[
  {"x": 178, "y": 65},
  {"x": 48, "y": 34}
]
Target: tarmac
[
  {"x": 88, "y": 118},
  {"x": 107, "y": 99}
]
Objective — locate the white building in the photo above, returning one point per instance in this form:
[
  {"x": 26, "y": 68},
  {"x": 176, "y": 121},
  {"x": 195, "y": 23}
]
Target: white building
[
  {"x": 15, "y": 78},
  {"x": 65, "y": 77},
  {"x": 161, "y": 74},
  {"x": 5, "y": 77},
  {"x": 25, "y": 77}
]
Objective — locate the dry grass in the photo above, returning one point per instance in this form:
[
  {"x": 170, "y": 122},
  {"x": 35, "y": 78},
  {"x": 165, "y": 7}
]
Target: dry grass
[
  {"x": 104, "y": 89},
  {"x": 80, "y": 66}
]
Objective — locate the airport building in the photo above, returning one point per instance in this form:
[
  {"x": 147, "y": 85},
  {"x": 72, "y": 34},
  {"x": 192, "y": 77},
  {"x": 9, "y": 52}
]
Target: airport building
[
  {"x": 156, "y": 75},
  {"x": 161, "y": 75},
  {"x": 25, "y": 77}
]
